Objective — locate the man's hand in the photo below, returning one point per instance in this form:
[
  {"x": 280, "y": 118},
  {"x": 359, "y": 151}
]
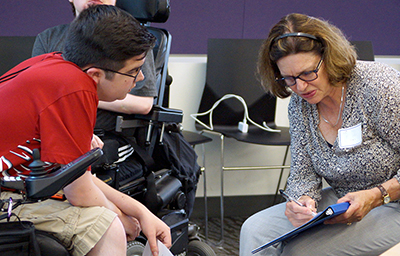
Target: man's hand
[
  {"x": 154, "y": 228},
  {"x": 96, "y": 142},
  {"x": 131, "y": 225}
]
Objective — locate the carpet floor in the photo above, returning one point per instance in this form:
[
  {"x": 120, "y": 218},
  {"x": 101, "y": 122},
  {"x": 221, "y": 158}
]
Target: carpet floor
[{"x": 230, "y": 245}]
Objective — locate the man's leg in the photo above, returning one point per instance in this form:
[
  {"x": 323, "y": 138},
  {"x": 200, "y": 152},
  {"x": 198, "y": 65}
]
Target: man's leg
[
  {"x": 78, "y": 228},
  {"x": 113, "y": 242}
]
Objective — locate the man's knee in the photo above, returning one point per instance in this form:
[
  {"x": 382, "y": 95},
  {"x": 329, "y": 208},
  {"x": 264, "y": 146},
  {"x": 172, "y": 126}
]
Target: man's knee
[
  {"x": 113, "y": 242},
  {"x": 117, "y": 228},
  {"x": 115, "y": 234}
]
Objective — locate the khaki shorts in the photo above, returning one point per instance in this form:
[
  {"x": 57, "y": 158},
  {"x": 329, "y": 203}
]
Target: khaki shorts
[{"x": 78, "y": 228}]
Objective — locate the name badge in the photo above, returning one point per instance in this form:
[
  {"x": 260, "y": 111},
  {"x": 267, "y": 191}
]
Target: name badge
[{"x": 350, "y": 137}]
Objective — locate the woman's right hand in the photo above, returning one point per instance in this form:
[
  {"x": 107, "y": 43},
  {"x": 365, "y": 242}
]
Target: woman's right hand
[{"x": 298, "y": 215}]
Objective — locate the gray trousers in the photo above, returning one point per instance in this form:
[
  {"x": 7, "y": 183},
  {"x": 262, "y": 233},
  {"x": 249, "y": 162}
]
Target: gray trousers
[{"x": 376, "y": 233}]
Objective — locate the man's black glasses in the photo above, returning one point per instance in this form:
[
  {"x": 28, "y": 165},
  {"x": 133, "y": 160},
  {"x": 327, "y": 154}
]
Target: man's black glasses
[
  {"x": 137, "y": 71},
  {"x": 307, "y": 76}
]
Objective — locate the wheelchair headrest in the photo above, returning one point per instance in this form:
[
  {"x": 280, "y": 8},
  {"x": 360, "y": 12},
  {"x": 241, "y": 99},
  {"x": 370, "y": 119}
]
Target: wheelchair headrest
[{"x": 146, "y": 10}]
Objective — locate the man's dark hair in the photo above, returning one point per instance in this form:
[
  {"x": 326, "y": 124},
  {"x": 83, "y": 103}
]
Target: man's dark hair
[{"x": 106, "y": 36}]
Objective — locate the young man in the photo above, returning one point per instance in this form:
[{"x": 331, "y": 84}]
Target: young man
[
  {"x": 138, "y": 101},
  {"x": 49, "y": 102}
]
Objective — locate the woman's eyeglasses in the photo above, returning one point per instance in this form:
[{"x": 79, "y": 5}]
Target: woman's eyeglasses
[{"x": 307, "y": 76}]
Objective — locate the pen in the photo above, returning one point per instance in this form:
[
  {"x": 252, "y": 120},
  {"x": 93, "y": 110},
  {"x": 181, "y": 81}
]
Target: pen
[{"x": 290, "y": 199}]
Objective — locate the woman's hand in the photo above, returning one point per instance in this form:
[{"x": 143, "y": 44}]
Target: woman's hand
[
  {"x": 298, "y": 215},
  {"x": 361, "y": 203}
]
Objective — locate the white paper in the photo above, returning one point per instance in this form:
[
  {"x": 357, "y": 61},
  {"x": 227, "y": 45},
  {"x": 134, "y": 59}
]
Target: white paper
[
  {"x": 162, "y": 250},
  {"x": 350, "y": 137}
]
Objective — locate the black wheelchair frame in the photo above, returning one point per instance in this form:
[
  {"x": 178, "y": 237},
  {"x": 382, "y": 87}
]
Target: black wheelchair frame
[
  {"x": 43, "y": 182},
  {"x": 159, "y": 190}
]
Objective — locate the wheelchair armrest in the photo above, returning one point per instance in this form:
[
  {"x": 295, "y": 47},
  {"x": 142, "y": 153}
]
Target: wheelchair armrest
[
  {"x": 157, "y": 114},
  {"x": 163, "y": 114},
  {"x": 44, "y": 186}
]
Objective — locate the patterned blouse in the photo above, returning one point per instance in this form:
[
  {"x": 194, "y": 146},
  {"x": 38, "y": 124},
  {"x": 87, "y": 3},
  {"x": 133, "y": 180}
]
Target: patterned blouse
[{"x": 372, "y": 100}]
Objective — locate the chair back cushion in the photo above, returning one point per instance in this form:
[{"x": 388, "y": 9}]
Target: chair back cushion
[
  {"x": 147, "y": 10},
  {"x": 232, "y": 69}
]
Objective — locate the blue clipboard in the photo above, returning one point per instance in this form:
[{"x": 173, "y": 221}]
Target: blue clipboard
[{"x": 330, "y": 212}]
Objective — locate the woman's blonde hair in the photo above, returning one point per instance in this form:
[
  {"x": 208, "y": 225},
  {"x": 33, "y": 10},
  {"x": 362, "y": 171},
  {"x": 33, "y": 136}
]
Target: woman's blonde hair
[{"x": 339, "y": 55}]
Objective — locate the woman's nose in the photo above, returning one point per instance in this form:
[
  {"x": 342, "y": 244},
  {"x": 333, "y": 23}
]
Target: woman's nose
[{"x": 301, "y": 85}]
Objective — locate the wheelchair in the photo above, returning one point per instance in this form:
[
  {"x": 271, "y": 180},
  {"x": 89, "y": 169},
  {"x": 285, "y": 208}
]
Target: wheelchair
[
  {"x": 43, "y": 182},
  {"x": 161, "y": 188}
]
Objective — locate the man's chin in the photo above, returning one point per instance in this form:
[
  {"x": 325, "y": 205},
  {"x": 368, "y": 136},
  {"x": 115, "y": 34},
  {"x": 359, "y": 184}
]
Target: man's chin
[{"x": 123, "y": 97}]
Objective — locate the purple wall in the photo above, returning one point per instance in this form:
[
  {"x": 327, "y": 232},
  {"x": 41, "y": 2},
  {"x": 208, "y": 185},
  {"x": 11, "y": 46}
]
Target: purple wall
[
  {"x": 30, "y": 17},
  {"x": 192, "y": 22}
]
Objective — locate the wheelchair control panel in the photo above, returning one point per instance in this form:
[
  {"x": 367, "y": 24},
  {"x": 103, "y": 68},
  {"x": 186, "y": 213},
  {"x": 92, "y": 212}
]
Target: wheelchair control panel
[{"x": 46, "y": 180}]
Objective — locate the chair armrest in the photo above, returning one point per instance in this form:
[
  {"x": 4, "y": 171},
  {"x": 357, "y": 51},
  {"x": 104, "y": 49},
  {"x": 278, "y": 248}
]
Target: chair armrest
[{"x": 157, "y": 114}]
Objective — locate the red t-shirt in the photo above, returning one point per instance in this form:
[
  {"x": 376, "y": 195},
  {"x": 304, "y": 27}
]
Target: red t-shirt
[{"x": 53, "y": 102}]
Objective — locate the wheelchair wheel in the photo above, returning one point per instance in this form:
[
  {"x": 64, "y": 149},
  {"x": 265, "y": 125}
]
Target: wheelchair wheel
[
  {"x": 199, "y": 248},
  {"x": 135, "y": 248}
]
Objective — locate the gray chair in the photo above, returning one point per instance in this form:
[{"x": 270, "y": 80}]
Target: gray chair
[
  {"x": 14, "y": 50},
  {"x": 364, "y": 50},
  {"x": 231, "y": 69}
]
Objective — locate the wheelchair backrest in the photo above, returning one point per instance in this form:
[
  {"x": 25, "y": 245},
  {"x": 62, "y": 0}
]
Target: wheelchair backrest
[
  {"x": 147, "y": 11},
  {"x": 154, "y": 11}
]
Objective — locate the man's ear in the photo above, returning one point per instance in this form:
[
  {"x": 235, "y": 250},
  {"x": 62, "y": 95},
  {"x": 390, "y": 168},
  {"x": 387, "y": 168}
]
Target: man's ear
[{"x": 95, "y": 74}]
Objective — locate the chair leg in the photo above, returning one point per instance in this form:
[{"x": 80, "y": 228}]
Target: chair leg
[
  {"x": 223, "y": 168},
  {"x": 203, "y": 172},
  {"x": 205, "y": 192},
  {"x": 280, "y": 176},
  {"x": 222, "y": 188}
]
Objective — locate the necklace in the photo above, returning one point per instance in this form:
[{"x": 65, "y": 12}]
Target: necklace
[{"x": 340, "y": 111}]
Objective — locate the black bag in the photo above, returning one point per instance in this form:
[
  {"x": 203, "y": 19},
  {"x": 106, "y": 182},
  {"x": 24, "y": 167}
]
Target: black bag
[
  {"x": 18, "y": 239},
  {"x": 175, "y": 153}
]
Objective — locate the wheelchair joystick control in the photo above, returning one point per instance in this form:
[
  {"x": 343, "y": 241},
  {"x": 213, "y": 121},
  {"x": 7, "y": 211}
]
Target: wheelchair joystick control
[{"x": 37, "y": 167}]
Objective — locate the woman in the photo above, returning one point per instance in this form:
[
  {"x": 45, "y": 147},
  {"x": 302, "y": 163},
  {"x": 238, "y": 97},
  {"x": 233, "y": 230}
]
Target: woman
[{"x": 345, "y": 128}]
